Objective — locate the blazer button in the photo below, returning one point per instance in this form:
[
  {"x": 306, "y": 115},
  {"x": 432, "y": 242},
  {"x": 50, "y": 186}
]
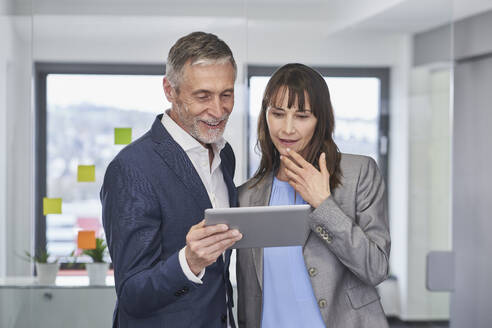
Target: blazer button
[
  {"x": 322, "y": 303},
  {"x": 312, "y": 272},
  {"x": 328, "y": 238},
  {"x": 319, "y": 229}
]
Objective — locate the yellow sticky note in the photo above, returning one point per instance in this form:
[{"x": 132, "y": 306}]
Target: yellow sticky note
[
  {"x": 86, "y": 239},
  {"x": 122, "y": 136},
  {"x": 86, "y": 173},
  {"x": 52, "y": 206}
]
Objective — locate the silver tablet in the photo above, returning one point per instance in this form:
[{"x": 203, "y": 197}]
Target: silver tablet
[{"x": 264, "y": 226}]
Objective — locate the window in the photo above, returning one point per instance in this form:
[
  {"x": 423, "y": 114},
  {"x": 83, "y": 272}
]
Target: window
[
  {"x": 359, "y": 98},
  {"x": 78, "y": 109},
  {"x": 78, "y": 106}
]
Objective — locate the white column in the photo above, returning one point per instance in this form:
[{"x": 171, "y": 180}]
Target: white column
[{"x": 5, "y": 36}]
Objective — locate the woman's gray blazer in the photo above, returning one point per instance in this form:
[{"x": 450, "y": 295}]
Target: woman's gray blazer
[{"x": 346, "y": 253}]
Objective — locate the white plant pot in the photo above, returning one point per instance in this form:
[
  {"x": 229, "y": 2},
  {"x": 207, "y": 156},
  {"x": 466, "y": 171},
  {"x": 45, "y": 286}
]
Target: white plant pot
[
  {"x": 47, "y": 272},
  {"x": 97, "y": 273}
]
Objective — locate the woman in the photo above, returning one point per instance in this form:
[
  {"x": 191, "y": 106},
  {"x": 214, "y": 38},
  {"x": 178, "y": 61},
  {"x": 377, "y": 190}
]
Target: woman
[{"x": 330, "y": 281}]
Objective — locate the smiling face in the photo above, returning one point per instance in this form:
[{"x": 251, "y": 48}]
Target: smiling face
[
  {"x": 290, "y": 127},
  {"x": 204, "y": 101}
]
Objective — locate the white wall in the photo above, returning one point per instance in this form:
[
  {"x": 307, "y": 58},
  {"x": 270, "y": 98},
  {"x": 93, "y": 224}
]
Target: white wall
[
  {"x": 5, "y": 8},
  {"x": 5, "y": 55},
  {"x": 305, "y": 44},
  {"x": 147, "y": 40},
  {"x": 15, "y": 155},
  {"x": 19, "y": 179}
]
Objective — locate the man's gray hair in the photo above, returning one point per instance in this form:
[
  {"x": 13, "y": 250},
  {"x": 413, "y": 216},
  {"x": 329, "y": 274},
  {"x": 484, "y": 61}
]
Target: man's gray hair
[{"x": 199, "y": 47}]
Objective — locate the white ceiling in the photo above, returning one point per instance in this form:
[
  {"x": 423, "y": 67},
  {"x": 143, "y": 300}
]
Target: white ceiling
[
  {"x": 319, "y": 16},
  {"x": 420, "y": 15}
]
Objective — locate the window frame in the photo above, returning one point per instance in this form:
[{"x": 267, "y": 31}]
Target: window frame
[
  {"x": 41, "y": 72},
  {"x": 381, "y": 73}
]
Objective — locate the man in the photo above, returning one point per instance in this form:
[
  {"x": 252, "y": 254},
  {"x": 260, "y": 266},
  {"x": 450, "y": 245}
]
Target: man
[{"x": 170, "y": 270}]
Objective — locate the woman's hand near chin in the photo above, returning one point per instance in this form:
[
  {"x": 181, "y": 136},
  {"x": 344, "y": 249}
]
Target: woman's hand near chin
[{"x": 311, "y": 184}]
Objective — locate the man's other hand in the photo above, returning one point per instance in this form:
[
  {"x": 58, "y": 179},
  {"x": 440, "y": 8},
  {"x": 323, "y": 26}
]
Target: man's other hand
[{"x": 204, "y": 244}]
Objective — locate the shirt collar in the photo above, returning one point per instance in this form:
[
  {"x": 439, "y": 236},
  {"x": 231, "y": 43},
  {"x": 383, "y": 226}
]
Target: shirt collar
[{"x": 184, "y": 139}]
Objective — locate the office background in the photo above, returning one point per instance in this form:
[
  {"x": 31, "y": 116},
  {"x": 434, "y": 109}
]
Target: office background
[{"x": 433, "y": 60}]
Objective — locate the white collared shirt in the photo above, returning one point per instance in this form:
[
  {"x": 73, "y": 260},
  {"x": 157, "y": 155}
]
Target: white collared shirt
[{"x": 211, "y": 176}]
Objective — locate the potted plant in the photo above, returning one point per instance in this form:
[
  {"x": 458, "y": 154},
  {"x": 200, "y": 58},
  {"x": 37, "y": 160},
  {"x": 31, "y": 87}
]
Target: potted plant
[
  {"x": 98, "y": 269},
  {"x": 46, "y": 268}
]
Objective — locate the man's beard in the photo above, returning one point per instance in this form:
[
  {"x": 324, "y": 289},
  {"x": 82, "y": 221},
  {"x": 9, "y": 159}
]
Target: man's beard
[{"x": 192, "y": 125}]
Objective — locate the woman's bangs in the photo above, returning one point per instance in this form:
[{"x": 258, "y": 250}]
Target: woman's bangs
[{"x": 296, "y": 94}]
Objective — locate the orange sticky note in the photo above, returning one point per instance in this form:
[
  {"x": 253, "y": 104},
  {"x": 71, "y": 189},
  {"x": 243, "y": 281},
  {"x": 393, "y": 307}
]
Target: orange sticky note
[{"x": 86, "y": 239}]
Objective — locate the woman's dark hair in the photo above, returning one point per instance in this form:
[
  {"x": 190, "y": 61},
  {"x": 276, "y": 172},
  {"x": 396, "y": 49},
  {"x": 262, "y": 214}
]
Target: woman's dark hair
[{"x": 299, "y": 80}]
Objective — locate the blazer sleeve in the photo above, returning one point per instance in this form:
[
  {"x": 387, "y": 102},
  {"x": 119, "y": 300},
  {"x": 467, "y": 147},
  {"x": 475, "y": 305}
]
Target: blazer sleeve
[
  {"x": 363, "y": 244},
  {"x": 132, "y": 223}
]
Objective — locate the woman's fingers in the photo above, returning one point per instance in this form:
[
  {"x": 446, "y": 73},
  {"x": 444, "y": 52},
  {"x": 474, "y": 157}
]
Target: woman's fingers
[
  {"x": 291, "y": 165},
  {"x": 299, "y": 188},
  {"x": 297, "y": 159},
  {"x": 292, "y": 176},
  {"x": 322, "y": 165}
]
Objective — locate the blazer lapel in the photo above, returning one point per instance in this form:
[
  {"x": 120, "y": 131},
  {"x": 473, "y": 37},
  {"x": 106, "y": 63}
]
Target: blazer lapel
[
  {"x": 227, "y": 172},
  {"x": 177, "y": 160},
  {"x": 261, "y": 197}
]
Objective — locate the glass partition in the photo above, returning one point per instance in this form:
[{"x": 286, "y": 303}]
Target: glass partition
[{"x": 70, "y": 74}]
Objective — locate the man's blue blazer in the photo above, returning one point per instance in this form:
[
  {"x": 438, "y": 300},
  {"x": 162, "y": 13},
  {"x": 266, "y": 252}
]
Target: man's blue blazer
[{"x": 151, "y": 196}]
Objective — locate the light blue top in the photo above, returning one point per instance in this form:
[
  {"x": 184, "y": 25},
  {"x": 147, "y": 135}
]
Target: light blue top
[{"x": 288, "y": 298}]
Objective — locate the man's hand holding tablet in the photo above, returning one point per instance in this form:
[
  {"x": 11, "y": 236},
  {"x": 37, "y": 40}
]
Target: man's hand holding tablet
[{"x": 264, "y": 226}]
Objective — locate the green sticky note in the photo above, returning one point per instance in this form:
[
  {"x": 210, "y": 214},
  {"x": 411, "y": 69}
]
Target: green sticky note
[
  {"x": 52, "y": 206},
  {"x": 122, "y": 136},
  {"x": 86, "y": 173}
]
